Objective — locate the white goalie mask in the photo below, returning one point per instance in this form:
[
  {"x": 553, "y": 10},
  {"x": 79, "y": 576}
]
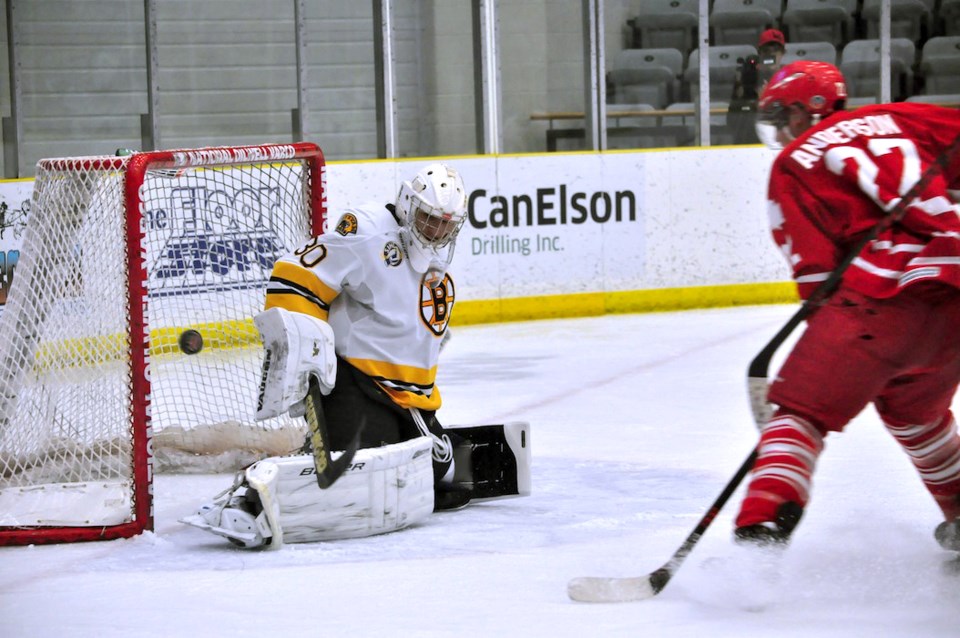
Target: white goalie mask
[{"x": 431, "y": 209}]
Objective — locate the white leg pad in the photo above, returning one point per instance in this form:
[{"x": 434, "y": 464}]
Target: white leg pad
[
  {"x": 263, "y": 478},
  {"x": 385, "y": 489}
]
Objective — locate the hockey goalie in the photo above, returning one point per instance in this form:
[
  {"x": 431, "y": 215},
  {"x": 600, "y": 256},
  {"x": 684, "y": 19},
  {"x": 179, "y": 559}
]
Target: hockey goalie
[{"x": 353, "y": 325}]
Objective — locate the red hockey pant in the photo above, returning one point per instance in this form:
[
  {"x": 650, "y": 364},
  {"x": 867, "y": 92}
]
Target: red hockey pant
[{"x": 901, "y": 354}]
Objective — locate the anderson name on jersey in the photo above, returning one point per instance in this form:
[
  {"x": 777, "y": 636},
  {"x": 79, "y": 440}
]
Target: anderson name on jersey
[
  {"x": 818, "y": 210},
  {"x": 387, "y": 318}
]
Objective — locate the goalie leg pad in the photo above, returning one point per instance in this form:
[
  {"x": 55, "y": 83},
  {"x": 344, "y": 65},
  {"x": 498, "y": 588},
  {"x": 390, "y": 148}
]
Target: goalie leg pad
[
  {"x": 495, "y": 461},
  {"x": 384, "y": 489}
]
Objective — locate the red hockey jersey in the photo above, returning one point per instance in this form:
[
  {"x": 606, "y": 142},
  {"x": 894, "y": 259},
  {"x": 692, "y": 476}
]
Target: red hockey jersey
[{"x": 838, "y": 180}]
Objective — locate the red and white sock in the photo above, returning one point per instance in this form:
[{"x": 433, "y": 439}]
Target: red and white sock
[
  {"x": 789, "y": 448},
  {"x": 934, "y": 449}
]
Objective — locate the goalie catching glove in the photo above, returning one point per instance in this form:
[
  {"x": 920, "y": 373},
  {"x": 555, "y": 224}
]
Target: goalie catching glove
[{"x": 298, "y": 346}]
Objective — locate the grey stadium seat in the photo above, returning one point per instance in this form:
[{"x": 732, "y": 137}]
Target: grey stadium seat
[
  {"x": 641, "y": 132},
  {"x": 819, "y": 20},
  {"x": 860, "y": 65},
  {"x": 646, "y": 76},
  {"x": 821, "y": 51},
  {"x": 940, "y": 65},
  {"x": 949, "y": 15},
  {"x": 723, "y": 70},
  {"x": 742, "y": 21},
  {"x": 685, "y": 118},
  {"x": 661, "y": 24},
  {"x": 910, "y": 19}
]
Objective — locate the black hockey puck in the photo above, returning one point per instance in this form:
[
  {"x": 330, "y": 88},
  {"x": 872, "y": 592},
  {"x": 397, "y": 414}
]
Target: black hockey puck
[{"x": 191, "y": 342}]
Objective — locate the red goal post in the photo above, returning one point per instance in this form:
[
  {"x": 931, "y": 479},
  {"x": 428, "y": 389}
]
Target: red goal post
[{"x": 120, "y": 256}]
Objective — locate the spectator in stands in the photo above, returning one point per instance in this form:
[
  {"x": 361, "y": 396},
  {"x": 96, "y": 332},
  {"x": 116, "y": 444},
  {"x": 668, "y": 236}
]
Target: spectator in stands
[{"x": 752, "y": 76}]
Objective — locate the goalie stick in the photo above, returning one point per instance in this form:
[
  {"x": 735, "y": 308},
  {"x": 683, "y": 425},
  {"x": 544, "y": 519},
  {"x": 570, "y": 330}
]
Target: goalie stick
[
  {"x": 612, "y": 590},
  {"x": 328, "y": 470}
]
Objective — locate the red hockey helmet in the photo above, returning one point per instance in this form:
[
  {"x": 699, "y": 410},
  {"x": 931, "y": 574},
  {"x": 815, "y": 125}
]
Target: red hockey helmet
[{"x": 816, "y": 87}]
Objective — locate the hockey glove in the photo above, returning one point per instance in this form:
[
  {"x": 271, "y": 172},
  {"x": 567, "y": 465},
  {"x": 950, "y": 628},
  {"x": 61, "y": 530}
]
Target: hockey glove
[{"x": 298, "y": 346}]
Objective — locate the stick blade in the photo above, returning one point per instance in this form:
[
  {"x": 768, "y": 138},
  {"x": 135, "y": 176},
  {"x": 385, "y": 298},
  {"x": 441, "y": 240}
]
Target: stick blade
[{"x": 595, "y": 589}]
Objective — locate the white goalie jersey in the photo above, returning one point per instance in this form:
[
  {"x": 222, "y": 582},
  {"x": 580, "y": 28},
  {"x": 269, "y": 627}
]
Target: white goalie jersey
[{"x": 388, "y": 319}]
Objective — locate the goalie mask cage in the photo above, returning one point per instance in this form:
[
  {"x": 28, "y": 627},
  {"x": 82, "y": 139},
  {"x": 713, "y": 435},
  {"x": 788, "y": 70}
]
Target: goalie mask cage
[{"x": 119, "y": 257}]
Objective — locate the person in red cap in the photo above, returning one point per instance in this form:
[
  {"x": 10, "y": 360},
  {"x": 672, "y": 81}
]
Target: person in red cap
[
  {"x": 752, "y": 77},
  {"x": 770, "y": 49}
]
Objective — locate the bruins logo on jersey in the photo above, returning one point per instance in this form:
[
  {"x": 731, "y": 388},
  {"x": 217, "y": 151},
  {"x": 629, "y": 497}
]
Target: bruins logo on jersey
[
  {"x": 392, "y": 254},
  {"x": 436, "y": 303},
  {"x": 347, "y": 224}
]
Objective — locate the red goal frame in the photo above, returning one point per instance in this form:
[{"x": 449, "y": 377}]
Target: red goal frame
[{"x": 135, "y": 169}]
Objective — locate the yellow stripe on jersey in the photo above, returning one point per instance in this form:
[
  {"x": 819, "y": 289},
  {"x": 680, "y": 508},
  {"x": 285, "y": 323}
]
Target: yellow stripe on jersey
[
  {"x": 297, "y": 289},
  {"x": 408, "y": 386}
]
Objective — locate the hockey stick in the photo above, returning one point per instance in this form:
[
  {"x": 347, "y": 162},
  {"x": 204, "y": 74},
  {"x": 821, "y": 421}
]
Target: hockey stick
[
  {"x": 600, "y": 589},
  {"x": 594, "y": 589},
  {"x": 328, "y": 470}
]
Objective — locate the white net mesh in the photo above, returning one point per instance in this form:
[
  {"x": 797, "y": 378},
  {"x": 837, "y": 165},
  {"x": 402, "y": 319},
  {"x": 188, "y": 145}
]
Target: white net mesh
[{"x": 211, "y": 235}]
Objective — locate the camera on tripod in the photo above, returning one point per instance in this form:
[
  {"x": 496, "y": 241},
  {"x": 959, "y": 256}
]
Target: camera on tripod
[{"x": 749, "y": 76}]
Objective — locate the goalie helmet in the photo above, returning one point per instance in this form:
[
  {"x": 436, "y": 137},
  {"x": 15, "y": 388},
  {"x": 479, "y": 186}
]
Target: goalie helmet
[
  {"x": 431, "y": 209},
  {"x": 818, "y": 88}
]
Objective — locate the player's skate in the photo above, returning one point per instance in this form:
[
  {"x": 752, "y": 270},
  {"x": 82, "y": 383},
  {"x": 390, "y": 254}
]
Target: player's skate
[
  {"x": 948, "y": 535},
  {"x": 751, "y": 578},
  {"x": 774, "y": 533}
]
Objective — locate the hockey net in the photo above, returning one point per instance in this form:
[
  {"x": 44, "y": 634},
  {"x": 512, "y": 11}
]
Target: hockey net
[{"x": 120, "y": 256}]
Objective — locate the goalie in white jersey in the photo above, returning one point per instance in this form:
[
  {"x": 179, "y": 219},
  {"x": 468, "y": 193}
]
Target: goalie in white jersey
[
  {"x": 380, "y": 279},
  {"x": 364, "y": 310}
]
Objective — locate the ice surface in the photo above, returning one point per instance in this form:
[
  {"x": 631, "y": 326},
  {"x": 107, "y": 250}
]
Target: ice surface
[{"x": 638, "y": 422}]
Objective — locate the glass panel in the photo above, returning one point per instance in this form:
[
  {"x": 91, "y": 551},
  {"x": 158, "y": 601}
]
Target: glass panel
[
  {"x": 340, "y": 94},
  {"x": 434, "y": 74},
  {"x": 541, "y": 75},
  {"x": 4, "y": 72},
  {"x": 650, "y": 83},
  {"x": 227, "y": 71},
  {"x": 83, "y": 78}
]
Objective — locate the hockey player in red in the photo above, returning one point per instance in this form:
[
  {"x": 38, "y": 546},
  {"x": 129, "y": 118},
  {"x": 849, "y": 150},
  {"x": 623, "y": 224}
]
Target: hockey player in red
[{"x": 890, "y": 334}]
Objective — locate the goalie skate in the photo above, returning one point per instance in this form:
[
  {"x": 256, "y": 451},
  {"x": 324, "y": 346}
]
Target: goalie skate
[{"x": 231, "y": 516}]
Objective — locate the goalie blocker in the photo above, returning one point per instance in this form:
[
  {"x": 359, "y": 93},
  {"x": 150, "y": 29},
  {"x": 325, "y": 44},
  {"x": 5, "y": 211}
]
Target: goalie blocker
[{"x": 277, "y": 501}]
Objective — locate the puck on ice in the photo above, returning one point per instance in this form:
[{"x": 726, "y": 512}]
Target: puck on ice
[{"x": 191, "y": 342}]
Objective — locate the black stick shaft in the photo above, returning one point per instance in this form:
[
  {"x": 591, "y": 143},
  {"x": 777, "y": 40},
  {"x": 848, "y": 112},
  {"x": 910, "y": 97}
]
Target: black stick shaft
[
  {"x": 328, "y": 470},
  {"x": 660, "y": 578}
]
